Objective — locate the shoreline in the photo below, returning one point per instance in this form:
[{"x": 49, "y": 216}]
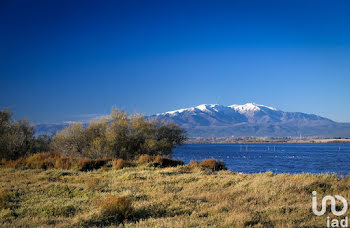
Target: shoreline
[{"x": 268, "y": 141}]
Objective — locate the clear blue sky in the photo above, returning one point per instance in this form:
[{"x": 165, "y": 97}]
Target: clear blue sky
[{"x": 69, "y": 60}]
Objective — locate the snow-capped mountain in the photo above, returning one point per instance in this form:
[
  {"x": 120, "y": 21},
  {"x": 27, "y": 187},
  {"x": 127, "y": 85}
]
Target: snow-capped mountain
[
  {"x": 214, "y": 120},
  {"x": 251, "y": 120}
]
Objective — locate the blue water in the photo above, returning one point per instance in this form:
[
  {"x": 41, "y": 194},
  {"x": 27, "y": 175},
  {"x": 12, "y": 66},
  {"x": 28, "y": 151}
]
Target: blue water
[{"x": 278, "y": 158}]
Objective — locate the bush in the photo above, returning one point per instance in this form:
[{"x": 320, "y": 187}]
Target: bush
[
  {"x": 91, "y": 164},
  {"x": 213, "y": 164},
  {"x": 37, "y": 161},
  {"x": 16, "y": 137},
  {"x": 167, "y": 162},
  {"x": 50, "y": 160},
  {"x": 46, "y": 160},
  {"x": 119, "y": 136},
  {"x": 42, "y": 143},
  {"x": 42, "y": 160},
  {"x": 195, "y": 164},
  {"x": 64, "y": 163},
  {"x": 145, "y": 158},
  {"x": 19, "y": 163},
  {"x": 121, "y": 163},
  {"x": 118, "y": 208}
]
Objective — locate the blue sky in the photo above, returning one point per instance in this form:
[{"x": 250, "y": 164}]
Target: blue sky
[{"x": 71, "y": 60}]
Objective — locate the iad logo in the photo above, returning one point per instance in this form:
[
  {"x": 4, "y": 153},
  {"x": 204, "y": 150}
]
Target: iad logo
[{"x": 333, "y": 222}]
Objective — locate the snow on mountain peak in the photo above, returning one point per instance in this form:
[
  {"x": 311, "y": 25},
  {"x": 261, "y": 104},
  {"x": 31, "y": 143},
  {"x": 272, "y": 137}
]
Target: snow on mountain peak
[
  {"x": 246, "y": 108},
  {"x": 202, "y": 107},
  {"x": 207, "y": 107},
  {"x": 177, "y": 111},
  {"x": 249, "y": 107}
]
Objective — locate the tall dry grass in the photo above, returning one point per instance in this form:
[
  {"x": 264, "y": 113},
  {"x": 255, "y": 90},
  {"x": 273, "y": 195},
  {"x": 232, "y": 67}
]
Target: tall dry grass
[{"x": 181, "y": 196}]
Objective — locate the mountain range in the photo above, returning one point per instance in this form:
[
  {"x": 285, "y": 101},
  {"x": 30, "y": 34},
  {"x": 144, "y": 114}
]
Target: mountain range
[{"x": 214, "y": 120}]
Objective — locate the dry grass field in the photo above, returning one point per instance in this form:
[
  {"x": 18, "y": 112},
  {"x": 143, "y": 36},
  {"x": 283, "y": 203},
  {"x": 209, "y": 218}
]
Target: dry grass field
[{"x": 144, "y": 196}]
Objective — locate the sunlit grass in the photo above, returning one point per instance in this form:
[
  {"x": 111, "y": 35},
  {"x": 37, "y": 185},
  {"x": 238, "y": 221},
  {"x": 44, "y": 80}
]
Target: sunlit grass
[{"x": 146, "y": 196}]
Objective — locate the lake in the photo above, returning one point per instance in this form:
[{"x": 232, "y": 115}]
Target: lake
[{"x": 278, "y": 158}]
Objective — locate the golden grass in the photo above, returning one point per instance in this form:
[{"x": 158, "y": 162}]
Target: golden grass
[
  {"x": 146, "y": 196},
  {"x": 118, "y": 207},
  {"x": 121, "y": 163},
  {"x": 5, "y": 197},
  {"x": 213, "y": 164},
  {"x": 145, "y": 158}
]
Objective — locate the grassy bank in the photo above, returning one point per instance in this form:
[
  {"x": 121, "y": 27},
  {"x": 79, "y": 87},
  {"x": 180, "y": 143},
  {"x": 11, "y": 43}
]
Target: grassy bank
[{"x": 162, "y": 197}]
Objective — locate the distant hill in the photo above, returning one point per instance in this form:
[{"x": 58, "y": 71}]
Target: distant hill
[{"x": 213, "y": 120}]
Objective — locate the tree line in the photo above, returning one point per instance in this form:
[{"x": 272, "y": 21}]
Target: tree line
[{"x": 116, "y": 136}]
